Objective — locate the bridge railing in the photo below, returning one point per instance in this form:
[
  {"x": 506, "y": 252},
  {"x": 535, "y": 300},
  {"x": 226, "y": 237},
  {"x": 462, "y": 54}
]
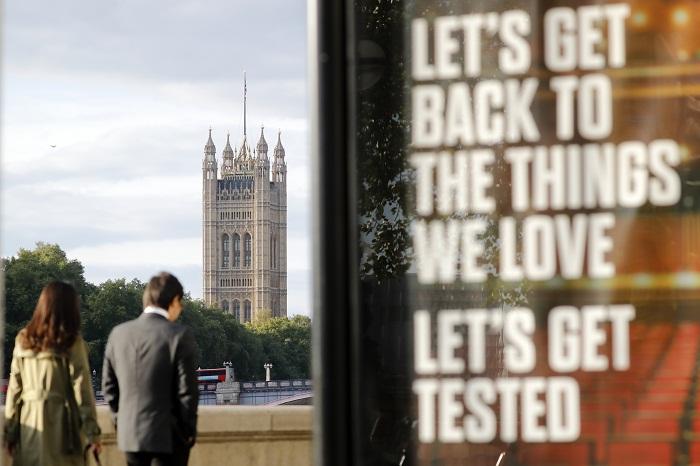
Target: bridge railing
[{"x": 294, "y": 384}]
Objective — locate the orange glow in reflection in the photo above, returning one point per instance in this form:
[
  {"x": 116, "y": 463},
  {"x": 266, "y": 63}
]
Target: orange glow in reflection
[
  {"x": 640, "y": 18},
  {"x": 680, "y": 16}
]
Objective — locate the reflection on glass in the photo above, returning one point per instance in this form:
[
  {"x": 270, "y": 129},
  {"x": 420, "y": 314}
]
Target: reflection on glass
[{"x": 528, "y": 295}]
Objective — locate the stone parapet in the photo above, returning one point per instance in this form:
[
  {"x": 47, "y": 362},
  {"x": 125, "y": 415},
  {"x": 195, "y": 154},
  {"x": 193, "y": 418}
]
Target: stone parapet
[
  {"x": 228, "y": 393},
  {"x": 236, "y": 436}
]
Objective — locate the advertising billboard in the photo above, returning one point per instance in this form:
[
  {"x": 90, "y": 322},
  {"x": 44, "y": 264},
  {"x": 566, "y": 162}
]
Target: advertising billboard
[{"x": 526, "y": 200}]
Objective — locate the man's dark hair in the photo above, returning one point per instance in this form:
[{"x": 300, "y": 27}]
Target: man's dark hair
[{"x": 161, "y": 290}]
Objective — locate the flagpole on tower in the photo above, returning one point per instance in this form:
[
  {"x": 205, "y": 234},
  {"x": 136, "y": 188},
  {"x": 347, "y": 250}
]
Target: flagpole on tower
[{"x": 245, "y": 96}]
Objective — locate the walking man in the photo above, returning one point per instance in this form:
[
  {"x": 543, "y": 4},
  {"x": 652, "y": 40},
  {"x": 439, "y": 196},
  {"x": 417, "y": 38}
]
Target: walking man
[{"x": 149, "y": 379}]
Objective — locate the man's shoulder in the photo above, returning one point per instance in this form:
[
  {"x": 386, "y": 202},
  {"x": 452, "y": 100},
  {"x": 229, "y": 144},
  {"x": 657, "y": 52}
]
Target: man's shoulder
[
  {"x": 124, "y": 327},
  {"x": 183, "y": 336},
  {"x": 181, "y": 330},
  {"x": 152, "y": 325},
  {"x": 127, "y": 329}
]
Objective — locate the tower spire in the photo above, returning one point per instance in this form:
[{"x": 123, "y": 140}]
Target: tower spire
[
  {"x": 210, "y": 148},
  {"x": 245, "y": 98},
  {"x": 262, "y": 145},
  {"x": 279, "y": 167}
]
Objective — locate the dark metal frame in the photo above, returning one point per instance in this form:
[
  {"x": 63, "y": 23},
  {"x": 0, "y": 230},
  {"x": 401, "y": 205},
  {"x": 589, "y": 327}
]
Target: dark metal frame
[{"x": 335, "y": 317}]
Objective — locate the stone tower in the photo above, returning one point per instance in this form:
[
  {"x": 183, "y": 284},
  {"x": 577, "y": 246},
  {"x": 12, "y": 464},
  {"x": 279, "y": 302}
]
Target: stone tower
[{"x": 245, "y": 228}]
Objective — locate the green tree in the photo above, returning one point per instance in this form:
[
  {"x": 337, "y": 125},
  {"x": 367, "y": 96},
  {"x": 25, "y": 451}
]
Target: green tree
[
  {"x": 25, "y": 275},
  {"x": 382, "y": 138},
  {"x": 221, "y": 338},
  {"x": 109, "y": 304},
  {"x": 286, "y": 344}
]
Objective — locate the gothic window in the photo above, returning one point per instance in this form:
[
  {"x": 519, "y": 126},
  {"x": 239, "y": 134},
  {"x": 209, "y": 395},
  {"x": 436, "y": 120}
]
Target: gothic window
[
  {"x": 247, "y": 311},
  {"x": 272, "y": 252},
  {"x": 224, "y": 306},
  {"x": 225, "y": 249},
  {"x": 236, "y": 251},
  {"x": 248, "y": 251},
  {"x": 237, "y": 310}
]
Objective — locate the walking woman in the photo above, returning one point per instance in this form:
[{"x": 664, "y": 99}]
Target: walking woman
[{"x": 50, "y": 416}]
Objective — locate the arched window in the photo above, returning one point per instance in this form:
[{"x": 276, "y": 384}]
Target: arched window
[
  {"x": 248, "y": 251},
  {"x": 236, "y": 251},
  {"x": 272, "y": 252},
  {"x": 247, "y": 311},
  {"x": 237, "y": 310},
  {"x": 225, "y": 251},
  {"x": 224, "y": 305}
]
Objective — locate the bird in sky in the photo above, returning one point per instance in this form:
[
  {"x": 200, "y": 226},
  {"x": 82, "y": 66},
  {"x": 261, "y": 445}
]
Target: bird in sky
[{"x": 53, "y": 146}]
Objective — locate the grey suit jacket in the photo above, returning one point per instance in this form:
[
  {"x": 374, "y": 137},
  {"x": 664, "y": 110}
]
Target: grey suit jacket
[{"x": 149, "y": 380}]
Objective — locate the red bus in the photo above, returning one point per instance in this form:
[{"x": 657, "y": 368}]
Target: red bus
[{"x": 208, "y": 378}]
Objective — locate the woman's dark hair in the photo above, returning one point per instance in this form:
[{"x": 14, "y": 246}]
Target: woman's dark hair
[
  {"x": 161, "y": 290},
  {"x": 56, "y": 321}
]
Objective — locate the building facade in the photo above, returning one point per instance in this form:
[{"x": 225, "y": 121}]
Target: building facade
[{"x": 244, "y": 203}]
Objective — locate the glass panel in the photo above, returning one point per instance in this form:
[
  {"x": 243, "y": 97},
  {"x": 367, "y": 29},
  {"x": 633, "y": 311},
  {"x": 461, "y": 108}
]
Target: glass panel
[
  {"x": 247, "y": 311},
  {"x": 225, "y": 252},
  {"x": 248, "y": 248},
  {"x": 236, "y": 251},
  {"x": 528, "y": 209},
  {"x": 237, "y": 310}
]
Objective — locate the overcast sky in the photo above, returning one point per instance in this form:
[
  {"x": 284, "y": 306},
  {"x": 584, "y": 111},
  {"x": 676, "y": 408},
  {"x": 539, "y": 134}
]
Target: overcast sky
[{"x": 126, "y": 91}]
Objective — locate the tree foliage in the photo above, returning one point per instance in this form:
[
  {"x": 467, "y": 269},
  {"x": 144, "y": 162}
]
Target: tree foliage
[
  {"x": 382, "y": 136},
  {"x": 286, "y": 343},
  {"x": 109, "y": 304},
  {"x": 25, "y": 276}
]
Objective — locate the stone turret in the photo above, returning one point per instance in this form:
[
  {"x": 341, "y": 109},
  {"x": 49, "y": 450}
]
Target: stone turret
[
  {"x": 209, "y": 187},
  {"x": 227, "y": 165},
  {"x": 279, "y": 166},
  {"x": 209, "y": 169},
  {"x": 261, "y": 148},
  {"x": 209, "y": 149}
]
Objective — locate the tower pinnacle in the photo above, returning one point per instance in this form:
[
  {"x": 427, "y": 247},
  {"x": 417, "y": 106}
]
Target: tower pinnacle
[
  {"x": 227, "y": 166},
  {"x": 262, "y": 144},
  {"x": 279, "y": 167},
  {"x": 209, "y": 147},
  {"x": 279, "y": 149}
]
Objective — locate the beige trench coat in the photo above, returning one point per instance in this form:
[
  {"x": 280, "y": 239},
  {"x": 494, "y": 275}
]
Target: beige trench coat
[{"x": 34, "y": 407}]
